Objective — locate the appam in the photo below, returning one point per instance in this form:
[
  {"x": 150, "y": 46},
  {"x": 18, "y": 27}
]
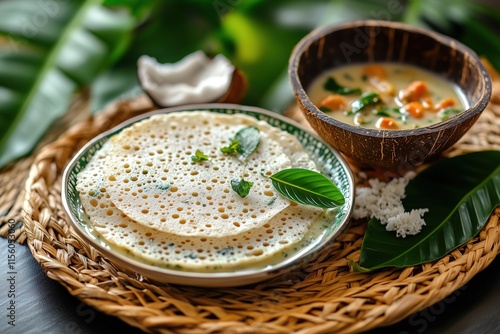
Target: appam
[
  {"x": 151, "y": 178},
  {"x": 191, "y": 253}
]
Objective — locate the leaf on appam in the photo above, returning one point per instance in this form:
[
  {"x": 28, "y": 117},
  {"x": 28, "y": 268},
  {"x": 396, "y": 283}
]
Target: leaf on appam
[
  {"x": 241, "y": 187},
  {"x": 245, "y": 142},
  {"x": 199, "y": 156},
  {"x": 307, "y": 187},
  {"x": 248, "y": 140}
]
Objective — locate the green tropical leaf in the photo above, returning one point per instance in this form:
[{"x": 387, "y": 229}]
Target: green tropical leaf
[
  {"x": 307, "y": 187},
  {"x": 52, "y": 49},
  {"x": 249, "y": 41},
  {"x": 484, "y": 40},
  {"x": 460, "y": 193}
]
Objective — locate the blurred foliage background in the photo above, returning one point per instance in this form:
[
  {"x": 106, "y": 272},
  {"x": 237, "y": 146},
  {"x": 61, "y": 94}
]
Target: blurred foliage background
[
  {"x": 49, "y": 49},
  {"x": 258, "y": 35}
]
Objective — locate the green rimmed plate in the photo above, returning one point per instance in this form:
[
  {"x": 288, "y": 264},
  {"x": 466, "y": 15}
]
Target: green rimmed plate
[{"x": 328, "y": 161}]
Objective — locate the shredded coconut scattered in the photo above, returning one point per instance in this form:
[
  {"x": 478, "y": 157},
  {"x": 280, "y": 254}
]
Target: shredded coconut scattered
[{"x": 383, "y": 201}]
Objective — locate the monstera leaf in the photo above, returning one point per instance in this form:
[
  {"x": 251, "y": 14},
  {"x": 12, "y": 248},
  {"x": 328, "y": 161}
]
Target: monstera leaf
[
  {"x": 460, "y": 193},
  {"x": 48, "y": 50}
]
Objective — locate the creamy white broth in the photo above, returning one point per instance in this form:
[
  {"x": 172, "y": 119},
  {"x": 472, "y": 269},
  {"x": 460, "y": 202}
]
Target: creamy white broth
[{"x": 397, "y": 78}]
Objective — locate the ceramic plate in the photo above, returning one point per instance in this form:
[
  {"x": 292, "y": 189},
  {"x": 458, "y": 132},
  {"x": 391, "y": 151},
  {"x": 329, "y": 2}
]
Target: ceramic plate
[{"x": 328, "y": 161}]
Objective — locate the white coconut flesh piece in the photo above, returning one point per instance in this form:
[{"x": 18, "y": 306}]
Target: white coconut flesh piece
[
  {"x": 195, "y": 253},
  {"x": 150, "y": 175},
  {"x": 194, "y": 79}
]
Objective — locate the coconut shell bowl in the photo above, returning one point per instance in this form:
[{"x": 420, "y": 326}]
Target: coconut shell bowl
[{"x": 381, "y": 41}]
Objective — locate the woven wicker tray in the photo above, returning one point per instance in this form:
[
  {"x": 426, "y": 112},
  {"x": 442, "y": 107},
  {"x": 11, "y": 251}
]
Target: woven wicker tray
[{"x": 322, "y": 297}]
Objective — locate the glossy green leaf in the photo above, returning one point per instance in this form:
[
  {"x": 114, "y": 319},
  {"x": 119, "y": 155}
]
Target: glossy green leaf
[
  {"x": 460, "y": 193},
  {"x": 245, "y": 142},
  {"x": 448, "y": 112},
  {"x": 248, "y": 140},
  {"x": 366, "y": 100},
  {"x": 241, "y": 187},
  {"x": 333, "y": 86},
  {"x": 52, "y": 49},
  {"x": 307, "y": 187}
]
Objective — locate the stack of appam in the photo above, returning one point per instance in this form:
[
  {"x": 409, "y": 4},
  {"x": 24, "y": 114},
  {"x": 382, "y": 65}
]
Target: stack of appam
[{"x": 144, "y": 194}]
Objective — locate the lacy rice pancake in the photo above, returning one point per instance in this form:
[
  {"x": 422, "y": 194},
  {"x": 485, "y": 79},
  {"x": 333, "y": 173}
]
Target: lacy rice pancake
[
  {"x": 192, "y": 253},
  {"x": 143, "y": 192},
  {"x": 150, "y": 175}
]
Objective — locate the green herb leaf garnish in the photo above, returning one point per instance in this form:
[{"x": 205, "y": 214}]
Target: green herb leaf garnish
[
  {"x": 241, "y": 187},
  {"x": 447, "y": 113},
  {"x": 199, "y": 156},
  {"x": 245, "y": 142},
  {"x": 163, "y": 186},
  {"x": 381, "y": 112},
  {"x": 307, "y": 187},
  {"x": 385, "y": 111},
  {"x": 367, "y": 99},
  {"x": 248, "y": 139},
  {"x": 232, "y": 148},
  {"x": 332, "y": 86}
]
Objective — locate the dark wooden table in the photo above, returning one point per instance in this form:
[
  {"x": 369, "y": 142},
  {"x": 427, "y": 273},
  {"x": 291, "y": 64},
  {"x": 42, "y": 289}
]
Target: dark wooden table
[{"x": 44, "y": 306}]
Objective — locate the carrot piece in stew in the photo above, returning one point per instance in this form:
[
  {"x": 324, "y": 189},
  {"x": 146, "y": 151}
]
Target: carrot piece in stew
[
  {"x": 386, "y": 123},
  {"x": 445, "y": 103},
  {"x": 415, "y": 109},
  {"x": 376, "y": 71},
  {"x": 414, "y": 92},
  {"x": 333, "y": 102}
]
